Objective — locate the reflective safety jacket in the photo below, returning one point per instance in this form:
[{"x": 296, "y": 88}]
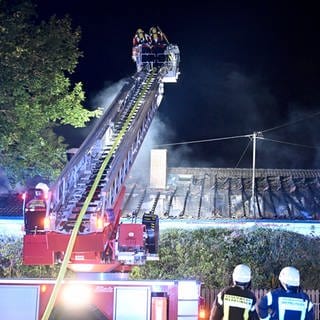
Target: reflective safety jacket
[
  {"x": 234, "y": 303},
  {"x": 282, "y": 305}
]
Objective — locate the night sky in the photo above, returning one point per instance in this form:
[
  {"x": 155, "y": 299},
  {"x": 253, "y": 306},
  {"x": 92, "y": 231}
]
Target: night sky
[{"x": 244, "y": 68}]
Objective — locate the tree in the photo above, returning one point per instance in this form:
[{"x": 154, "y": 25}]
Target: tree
[{"x": 35, "y": 93}]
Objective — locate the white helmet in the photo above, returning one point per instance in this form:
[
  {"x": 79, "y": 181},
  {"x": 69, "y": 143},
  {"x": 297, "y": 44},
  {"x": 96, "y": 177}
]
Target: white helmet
[
  {"x": 289, "y": 276},
  {"x": 241, "y": 274}
]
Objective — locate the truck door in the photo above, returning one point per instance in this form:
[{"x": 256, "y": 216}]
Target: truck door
[
  {"x": 19, "y": 302},
  {"x": 132, "y": 303}
]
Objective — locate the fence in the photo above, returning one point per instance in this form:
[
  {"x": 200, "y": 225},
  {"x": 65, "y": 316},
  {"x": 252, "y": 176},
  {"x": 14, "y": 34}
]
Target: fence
[{"x": 210, "y": 294}]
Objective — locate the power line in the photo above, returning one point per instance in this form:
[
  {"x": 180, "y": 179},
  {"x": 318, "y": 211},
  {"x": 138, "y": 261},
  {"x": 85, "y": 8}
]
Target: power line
[
  {"x": 205, "y": 140},
  {"x": 292, "y": 122},
  {"x": 238, "y": 137},
  {"x": 291, "y": 143},
  {"x": 250, "y": 136}
]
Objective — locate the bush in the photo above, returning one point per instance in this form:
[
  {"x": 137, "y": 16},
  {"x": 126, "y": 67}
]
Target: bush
[{"x": 209, "y": 255}]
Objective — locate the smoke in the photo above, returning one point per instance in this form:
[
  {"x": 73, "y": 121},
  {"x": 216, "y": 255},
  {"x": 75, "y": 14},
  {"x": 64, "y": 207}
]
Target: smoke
[
  {"x": 160, "y": 136},
  {"x": 224, "y": 100},
  {"x": 295, "y": 142},
  {"x": 157, "y": 133},
  {"x": 233, "y": 101},
  {"x": 104, "y": 98},
  {"x": 221, "y": 101}
]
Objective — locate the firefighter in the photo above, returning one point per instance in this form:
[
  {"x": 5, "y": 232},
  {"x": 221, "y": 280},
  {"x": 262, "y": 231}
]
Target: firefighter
[
  {"x": 158, "y": 45},
  {"x": 154, "y": 35},
  {"x": 141, "y": 50},
  {"x": 236, "y": 301},
  {"x": 157, "y": 36},
  {"x": 140, "y": 38},
  {"x": 288, "y": 302}
]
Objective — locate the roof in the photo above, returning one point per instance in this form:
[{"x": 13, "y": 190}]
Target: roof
[
  {"x": 228, "y": 193},
  {"x": 11, "y": 205},
  {"x": 213, "y": 193}
]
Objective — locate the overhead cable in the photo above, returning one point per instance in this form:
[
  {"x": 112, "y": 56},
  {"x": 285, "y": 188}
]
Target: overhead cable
[
  {"x": 291, "y": 143},
  {"x": 250, "y": 135},
  {"x": 292, "y": 122},
  {"x": 201, "y": 141}
]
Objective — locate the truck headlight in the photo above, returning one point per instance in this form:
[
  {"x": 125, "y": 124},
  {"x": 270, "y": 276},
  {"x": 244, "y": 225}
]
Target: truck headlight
[{"x": 76, "y": 295}]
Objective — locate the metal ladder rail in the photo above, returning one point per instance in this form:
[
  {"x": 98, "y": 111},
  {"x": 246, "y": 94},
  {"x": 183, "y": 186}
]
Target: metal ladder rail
[
  {"x": 79, "y": 189},
  {"x": 81, "y": 161},
  {"x": 117, "y": 141},
  {"x": 125, "y": 146}
]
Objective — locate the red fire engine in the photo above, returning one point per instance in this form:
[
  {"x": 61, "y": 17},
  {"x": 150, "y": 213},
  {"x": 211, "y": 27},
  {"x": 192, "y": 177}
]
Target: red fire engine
[{"x": 77, "y": 221}]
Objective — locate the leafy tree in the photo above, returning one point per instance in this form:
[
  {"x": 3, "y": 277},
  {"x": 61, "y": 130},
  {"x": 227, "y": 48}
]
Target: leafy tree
[{"x": 35, "y": 93}]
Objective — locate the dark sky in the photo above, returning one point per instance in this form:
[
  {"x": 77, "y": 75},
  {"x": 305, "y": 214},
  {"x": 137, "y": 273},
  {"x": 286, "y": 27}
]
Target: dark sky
[{"x": 244, "y": 68}]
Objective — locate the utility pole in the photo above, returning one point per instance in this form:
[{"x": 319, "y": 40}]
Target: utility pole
[
  {"x": 253, "y": 202},
  {"x": 255, "y": 135}
]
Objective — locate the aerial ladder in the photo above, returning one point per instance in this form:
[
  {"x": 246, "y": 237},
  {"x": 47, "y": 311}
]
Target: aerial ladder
[{"x": 83, "y": 206}]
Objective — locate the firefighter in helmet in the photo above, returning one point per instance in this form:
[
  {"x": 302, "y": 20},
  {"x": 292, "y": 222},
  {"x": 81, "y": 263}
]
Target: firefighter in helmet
[
  {"x": 158, "y": 45},
  {"x": 141, "y": 48},
  {"x": 236, "y": 301},
  {"x": 153, "y": 33},
  {"x": 288, "y": 302},
  {"x": 140, "y": 38},
  {"x": 157, "y": 36}
]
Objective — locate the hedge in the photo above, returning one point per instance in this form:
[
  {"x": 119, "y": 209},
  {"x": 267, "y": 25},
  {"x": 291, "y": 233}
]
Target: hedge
[{"x": 208, "y": 255}]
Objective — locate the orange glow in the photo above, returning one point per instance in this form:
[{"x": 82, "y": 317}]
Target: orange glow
[
  {"x": 202, "y": 313},
  {"x": 43, "y": 288},
  {"x": 99, "y": 224},
  {"x": 24, "y": 196},
  {"x": 46, "y": 223},
  {"x": 202, "y": 309}
]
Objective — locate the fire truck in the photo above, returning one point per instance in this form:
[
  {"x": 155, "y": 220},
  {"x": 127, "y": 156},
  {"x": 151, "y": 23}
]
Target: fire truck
[
  {"x": 103, "y": 300},
  {"x": 80, "y": 214},
  {"x": 77, "y": 220}
]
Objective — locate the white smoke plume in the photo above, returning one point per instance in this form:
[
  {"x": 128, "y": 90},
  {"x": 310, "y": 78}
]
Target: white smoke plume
[{"x": 104, "y": 98}]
